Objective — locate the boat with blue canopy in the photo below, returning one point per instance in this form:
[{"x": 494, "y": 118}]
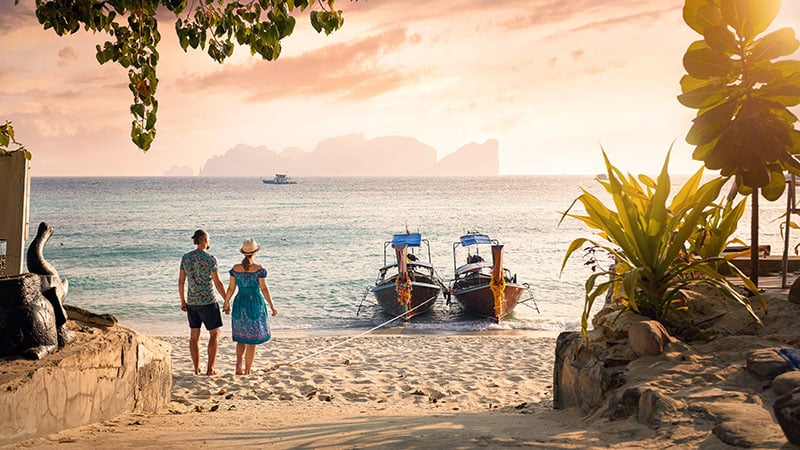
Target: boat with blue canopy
[
  {"x": 409, "y": 286},
  {"x": 485, "y": 288}
]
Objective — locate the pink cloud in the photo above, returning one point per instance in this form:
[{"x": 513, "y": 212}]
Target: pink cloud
[
  {"x": 350, "y": 71},
  {"x": 13, "y": 16}
]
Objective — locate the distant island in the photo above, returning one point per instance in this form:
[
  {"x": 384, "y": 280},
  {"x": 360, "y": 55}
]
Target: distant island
[{"x": 352, "y": 155}]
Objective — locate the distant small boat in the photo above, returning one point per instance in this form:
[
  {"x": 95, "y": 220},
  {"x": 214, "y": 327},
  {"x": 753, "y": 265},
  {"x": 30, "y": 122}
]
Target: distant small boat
[
  {"x": 280, "y": 178},
  {"x": 601, "y": 177}
]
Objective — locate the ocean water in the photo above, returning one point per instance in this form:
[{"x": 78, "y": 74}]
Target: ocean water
[{"x": 119, "y": 242}]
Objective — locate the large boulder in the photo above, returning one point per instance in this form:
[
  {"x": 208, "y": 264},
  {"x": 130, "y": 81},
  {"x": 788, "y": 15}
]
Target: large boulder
[{"x": 648, "y": 338}]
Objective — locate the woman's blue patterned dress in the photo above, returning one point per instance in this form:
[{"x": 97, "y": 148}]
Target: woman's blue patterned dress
[{"x": 249, "y": 316}]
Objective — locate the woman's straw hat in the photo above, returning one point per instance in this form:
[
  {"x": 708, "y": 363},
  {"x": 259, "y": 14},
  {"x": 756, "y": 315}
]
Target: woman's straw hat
[{"x": 250, "y": 246}]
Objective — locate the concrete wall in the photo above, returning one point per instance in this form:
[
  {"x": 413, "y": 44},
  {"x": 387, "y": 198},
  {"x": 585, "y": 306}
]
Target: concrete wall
[
  {"x": 106, "y": 372},
  {"x": 14, "y": 208}
]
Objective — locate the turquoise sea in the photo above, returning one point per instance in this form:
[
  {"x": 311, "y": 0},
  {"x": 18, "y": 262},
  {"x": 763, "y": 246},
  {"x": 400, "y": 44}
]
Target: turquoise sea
[{"x": 119, "y": 242}]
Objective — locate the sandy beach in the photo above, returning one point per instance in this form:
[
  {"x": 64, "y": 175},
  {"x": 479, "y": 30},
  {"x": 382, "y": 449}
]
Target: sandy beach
[
  {"x": 390, "y": 390},
  {"x": 403, "y": 389}
]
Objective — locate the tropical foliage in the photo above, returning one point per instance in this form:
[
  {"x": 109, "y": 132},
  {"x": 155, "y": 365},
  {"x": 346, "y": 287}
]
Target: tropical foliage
[
  {"x": 214, "y": 25},
  {"x": 7, "y": 140},
  {"x": 742, "y": 92},
  {"x": 660, "y": 247}
]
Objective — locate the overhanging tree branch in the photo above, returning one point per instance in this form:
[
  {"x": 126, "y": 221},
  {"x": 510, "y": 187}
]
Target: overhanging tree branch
[{"x": 216, "y": 26}]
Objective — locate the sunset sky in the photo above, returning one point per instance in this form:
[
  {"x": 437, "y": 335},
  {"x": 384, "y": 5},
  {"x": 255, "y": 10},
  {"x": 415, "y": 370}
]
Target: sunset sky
[{"x": 551, "y": 80}]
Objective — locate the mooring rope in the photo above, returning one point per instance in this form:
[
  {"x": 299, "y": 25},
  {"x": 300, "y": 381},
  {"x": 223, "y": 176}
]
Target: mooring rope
[{"x": 277, "y": 366}]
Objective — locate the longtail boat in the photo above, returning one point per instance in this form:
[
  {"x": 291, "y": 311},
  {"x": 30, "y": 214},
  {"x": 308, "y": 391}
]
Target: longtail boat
[
  {"x": 485, "y": 288},
  {"x": 408, "y": 286}
]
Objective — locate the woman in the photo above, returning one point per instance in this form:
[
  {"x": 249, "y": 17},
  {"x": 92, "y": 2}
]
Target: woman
[{"x": 249, "y": 320}]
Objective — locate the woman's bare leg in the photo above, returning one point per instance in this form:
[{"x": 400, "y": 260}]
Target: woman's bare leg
[
  {"x": 249, "y": 356},
  {"x": 239, "y": 352}
]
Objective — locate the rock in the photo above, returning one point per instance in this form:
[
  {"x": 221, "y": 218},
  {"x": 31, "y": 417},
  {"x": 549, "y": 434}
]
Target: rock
[
  {"x": 655, "y": 407},
  {"x": 787, "y": 411},
  {"x": 766, "y": 363},
  {"x": 82, "y": 315},
  {"x": 564, "y": 395},
  {"x": 583, "y": 380},
  {"x": 625, "y": 405},
  {"x": 614, "y": 324},
  {"x": 619, "y": 355},
  {"x": 648, "y": 338},
  {"x": 794, "y": 292},
  {"x": 745, "y": 424},
  {"x": 786, "y": 382}
]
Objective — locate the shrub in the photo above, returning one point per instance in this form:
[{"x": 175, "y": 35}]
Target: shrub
[{"x": 660, "y": 248}]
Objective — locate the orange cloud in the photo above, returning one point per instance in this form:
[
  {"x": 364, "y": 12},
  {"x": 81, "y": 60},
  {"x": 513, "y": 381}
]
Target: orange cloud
[
  {"x": 349, "y": 71},
  {"x": 643, "y": 17}
]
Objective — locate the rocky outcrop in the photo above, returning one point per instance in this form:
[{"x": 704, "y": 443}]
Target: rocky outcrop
[
  {"x": 728, "y": 379},
  {"x": 106, "y": 372}
]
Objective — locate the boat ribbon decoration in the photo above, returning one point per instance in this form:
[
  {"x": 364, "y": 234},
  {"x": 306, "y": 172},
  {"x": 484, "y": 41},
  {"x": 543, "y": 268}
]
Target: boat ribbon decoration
[
  {"x": 403, "y": 287},
  {"x": 402, "y": 283},
  {"x": 498, "y": 287},
  {"x": 497, "y": 283}
]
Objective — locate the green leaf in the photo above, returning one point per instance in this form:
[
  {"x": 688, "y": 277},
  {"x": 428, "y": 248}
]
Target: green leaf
[
  {"x": 137, "y": 109},
  {"x": 787, "y": 67},
  {"x": 722, "y": 40},
  {"x": 787, "y": 94},
  {"x": 702, "y": 93},
  {"x": 698, "y": 14},
  {"x": 778, "y": 43},
  {"x": 774, "y": 189},
  {"x": 749, "y": 17},
  {"x": 707, "y": 63},
  {"x": 315, "y": 21},
  {"x": 709, "y": 125}
]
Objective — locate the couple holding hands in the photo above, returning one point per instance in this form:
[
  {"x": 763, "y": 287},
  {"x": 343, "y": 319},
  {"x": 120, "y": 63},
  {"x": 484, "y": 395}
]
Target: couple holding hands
[{"x": 249, "y": 322}]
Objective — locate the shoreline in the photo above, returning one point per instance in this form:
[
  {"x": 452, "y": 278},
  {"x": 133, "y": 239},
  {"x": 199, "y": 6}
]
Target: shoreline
[{"x": 182, "y": 329}]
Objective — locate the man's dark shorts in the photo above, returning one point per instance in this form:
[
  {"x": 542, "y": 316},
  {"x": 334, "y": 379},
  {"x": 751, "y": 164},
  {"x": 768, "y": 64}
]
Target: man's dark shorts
[{"x": 207, "y": 315}]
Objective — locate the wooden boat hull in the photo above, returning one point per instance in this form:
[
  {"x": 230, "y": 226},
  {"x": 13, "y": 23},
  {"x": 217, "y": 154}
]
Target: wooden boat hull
[
  {"x": 422, "y": 291},
  {"x": 478, "y": 300}
]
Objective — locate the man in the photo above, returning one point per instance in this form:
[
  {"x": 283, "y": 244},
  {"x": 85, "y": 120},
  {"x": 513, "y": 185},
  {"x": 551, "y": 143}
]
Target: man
[{"x": 200, "y": 305}]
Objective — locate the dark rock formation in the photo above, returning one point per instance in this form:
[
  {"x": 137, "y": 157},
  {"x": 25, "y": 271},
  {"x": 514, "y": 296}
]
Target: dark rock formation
[{"x": 787, "y": 411}]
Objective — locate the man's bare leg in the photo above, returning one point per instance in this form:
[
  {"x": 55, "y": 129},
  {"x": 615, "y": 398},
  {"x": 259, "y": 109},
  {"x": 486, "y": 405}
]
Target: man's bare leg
[
  {"x": 213, "y": 345},
  {"x": 194, "y": 348}
]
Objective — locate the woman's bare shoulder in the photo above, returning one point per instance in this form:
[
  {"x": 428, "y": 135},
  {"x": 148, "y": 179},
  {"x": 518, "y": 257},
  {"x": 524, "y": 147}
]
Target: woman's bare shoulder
[{"x": 238, "y": 268}]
